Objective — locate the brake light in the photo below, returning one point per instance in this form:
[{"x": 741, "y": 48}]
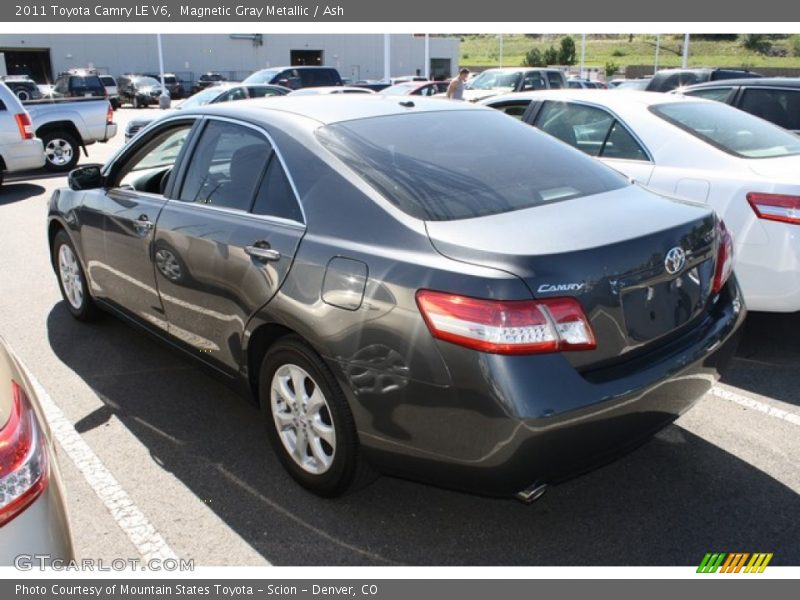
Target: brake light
[
  {"x": 109, "y": 115},
  {"x": 25, "y": 125},
  {"x": 775, "y": 207},
  {"x": 724, "y": 257},
  {"x": 507, "y": 326},
  {"x": 23, "y": 458}
]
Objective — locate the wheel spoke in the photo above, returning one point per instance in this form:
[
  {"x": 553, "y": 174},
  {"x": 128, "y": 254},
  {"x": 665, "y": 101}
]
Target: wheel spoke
[
  {"x": 318, "y": 451},
  {"x": 284, "y": 420},
  {"x": 323, "y": 431},
  {"x": 315, "y": 402},
  {"x": 301, "y": 446},
  {"x": 298, "y": 381}
]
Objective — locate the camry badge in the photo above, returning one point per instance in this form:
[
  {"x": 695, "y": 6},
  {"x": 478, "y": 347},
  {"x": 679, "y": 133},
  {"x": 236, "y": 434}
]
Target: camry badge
[{"x": 675, "y": 260}]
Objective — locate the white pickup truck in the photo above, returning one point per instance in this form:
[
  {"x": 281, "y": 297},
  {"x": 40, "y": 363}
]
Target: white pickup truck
[{"x": 66, "y": 126}]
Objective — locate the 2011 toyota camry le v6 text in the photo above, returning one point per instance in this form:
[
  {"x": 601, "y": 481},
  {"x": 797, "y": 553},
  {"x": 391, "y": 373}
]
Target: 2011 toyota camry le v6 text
[{"x": 424, "y": 288}]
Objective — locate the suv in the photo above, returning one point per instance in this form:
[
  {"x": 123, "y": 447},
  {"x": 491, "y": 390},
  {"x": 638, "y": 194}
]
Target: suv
[
  {"x": 775, "y": 99},
  {"x": 667, "y": 80},
  {"x": 512, "y": 79},
  {"x": 23, "y": 86},
  {"x": 297, "y": 77},
  {"x": 78, "y": 83},
  {"x": 138, "y": 90},
  {"x": 172, "y": 82},
  {"x": 207, "y": 79}
]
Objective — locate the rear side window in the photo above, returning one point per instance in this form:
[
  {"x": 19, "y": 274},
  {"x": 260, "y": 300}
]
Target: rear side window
[
  {"x": 555, "y": 79},
  {"x": 513, "y": 108},
  {"x": 533, "y": 80},
  {"x": 589, "y": 129},
  {"x": 781, "y": 107},
  {"x": 226, "y": 166},
  {"x": 733, "y": 131},
  {"x": 275, "y": 196},
  {"x": 317, "y": 77},
  {"x": 447, "y": 165}
]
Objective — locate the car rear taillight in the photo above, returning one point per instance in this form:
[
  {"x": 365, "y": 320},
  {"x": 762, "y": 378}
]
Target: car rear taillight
[
  {"x": 25, "y": 125},
  {"x": 724, "y": 257},
  {"x": 775, "y": 207},
  {"x": 109, "y": 115},
  {"x": 23, "y": 458},
  {"x": 507, "y": 326}
]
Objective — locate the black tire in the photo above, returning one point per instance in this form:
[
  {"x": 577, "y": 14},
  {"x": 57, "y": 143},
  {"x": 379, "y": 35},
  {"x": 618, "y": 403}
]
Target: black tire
[
  {"x": 348, "y": 470},
  {"x": 61, "y": 151},
  {"x": 23, "y": 94},
  {"x": 84, "y": 308}
]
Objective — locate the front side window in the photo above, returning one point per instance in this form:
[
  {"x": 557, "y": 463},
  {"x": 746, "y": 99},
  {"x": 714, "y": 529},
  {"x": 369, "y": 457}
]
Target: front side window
[
  {"x": 149, "y": 166},
  {"x": 555, "y": 80},
  {"x": 533, "y": 81},
  {"x": 731, "y": 130},
  {"x": 495, "y": 79},
  {"x": 226, "y": 166},
  {"x": 515, "y": 108},
  {"x": 446, "y": 165},
  {"x": 261, "y": 92},
  {"x": 232, "y": 95}
]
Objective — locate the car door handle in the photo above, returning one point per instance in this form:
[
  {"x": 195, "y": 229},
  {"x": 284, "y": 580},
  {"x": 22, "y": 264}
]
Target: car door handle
[
  {"x": 144, "y": 221},
  {"x": 262, "y": 253}
]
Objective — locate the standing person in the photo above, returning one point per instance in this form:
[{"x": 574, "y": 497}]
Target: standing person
[{"x": 455, "y": 91}]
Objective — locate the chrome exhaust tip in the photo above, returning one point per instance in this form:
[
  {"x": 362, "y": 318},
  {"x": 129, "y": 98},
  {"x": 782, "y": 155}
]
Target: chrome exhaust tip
[{"x": 532, "y": 493}]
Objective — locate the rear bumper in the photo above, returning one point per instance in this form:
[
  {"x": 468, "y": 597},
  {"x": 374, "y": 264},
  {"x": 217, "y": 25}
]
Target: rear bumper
[
  {"x": 508, "y": 422},
  {"x": 770, "y": 273},
  {"x": 23, "y": 155}
]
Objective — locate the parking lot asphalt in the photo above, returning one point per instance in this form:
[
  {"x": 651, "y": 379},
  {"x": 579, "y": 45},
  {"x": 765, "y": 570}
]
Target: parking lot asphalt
[{"x": 191, "y": 456}]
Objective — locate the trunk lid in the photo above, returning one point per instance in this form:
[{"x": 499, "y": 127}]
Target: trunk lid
[
  {"x": 784, "y": 168},
  {"x": 607, "y": 250}
]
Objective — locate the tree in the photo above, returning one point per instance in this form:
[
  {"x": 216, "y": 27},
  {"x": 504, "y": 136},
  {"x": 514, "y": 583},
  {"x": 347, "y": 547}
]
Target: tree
[
  {"x": 534, "y": 58},
  {"x": 566, "y": 55},
  {"x": 611, "y": 68},
  {"x": 550, "y": 56}
]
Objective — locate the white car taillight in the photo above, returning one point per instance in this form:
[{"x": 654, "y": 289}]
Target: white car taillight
[
  {"x": 507, "y": 326},
  {"x": 775, "y": 207},
  {"x": 724, "y": 266},
  {"x": 23, "y": 458},
  {"x": 25, "y": 125},
  {"x": 109, "y": 115}
]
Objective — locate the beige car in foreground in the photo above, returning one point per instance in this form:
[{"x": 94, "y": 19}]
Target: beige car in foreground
[{"x": 33, "y": 515}]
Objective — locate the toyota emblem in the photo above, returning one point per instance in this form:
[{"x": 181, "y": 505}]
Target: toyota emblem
[{"x": 675, "y": 260}]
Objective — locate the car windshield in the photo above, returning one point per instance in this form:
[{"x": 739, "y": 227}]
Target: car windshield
[
  {"x": 495, "y": 79},
  {"x": 265, "y": 76},
  {"x": 146, "y": 82},
  {"x": 731, "y": 130},
  {"x": 447, "y": 165},
  {"x": 201, "y": 98}
]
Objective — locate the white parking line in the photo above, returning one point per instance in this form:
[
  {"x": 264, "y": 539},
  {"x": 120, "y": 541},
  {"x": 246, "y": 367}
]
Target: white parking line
[
  {"x": 147, "y": 540},
  {"x": 761, "y": 407}
]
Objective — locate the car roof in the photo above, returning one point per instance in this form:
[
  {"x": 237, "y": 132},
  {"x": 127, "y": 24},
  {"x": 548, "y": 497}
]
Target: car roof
[
  {"x": 514, "y": 69},
  {"x": 334, "y": 108},
  {"x": 618, "y": 99},
  {"x": 793, "y": 82}
]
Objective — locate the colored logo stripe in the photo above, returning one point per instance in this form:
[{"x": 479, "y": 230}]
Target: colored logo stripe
[{"x": 734, "y": 562}]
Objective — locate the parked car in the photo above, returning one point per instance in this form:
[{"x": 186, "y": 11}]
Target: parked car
[
  {"x": 512, "y": 79},
  {"x": 224, "y": 92},
  {"x": 139, "y": 91},
  {"x": 776, "y": 99},
  {"x": 633, "y": 84},
  {"x": 33, "y": 510},
  {"x": 669, "y": 79},
  {"x": 297, "y": 77},
  {"x": 23, "y": 87},
  {"x": 745, "y": 168},
  {"x": 208, "y": 79},
  {"x": 19, "y": 148},
  {"x": 583, "y": 84},
  {"x": 327, "y": 90},
  {"x": 79, "y": 83},
  {"x": 416, "y": 88},
  {"x": 433, "y": 290},
  {"x": 67, "y": 125},
  {"x": 172, "y": 82},
  {"x": 111, "y": 90}
]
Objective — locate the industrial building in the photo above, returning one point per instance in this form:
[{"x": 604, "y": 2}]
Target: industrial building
[{"x": 356, "y": 56}]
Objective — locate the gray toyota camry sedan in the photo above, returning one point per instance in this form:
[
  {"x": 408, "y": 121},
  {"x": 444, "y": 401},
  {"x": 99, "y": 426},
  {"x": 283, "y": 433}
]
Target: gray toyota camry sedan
[{"x": 417, "y": 287}]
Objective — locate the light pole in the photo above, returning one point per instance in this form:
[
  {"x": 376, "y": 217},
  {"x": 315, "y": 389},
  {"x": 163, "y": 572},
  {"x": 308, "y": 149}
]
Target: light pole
[
  {"x": 583, "y": 53},
  {"x": 386, "y": 58},
  {"x": 658, "y": 47},
  {"x": 685, "y": 50},
  {"x": 163, "y": 99}
]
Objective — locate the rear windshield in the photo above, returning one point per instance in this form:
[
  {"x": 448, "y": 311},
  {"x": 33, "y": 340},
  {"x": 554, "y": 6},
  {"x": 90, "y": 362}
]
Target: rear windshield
[
  {"x": 448, "y": 165},
  {"x": 265, "y": 76},
  {"x": 731, "y": 130},
  {"x": 107, "y": 80}
]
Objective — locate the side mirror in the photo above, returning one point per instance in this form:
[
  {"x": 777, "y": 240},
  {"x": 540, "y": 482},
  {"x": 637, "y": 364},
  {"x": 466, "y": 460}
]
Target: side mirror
[{"x": 88, "y": 177}]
